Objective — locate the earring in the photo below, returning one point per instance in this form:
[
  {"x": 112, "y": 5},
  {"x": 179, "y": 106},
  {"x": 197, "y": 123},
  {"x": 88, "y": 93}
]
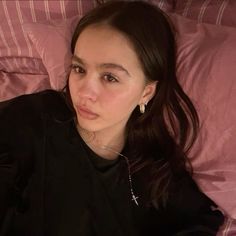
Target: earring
[{"x": 142, "y": 107}]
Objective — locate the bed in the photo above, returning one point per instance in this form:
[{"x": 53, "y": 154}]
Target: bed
[{"x": 34, "y": 55}]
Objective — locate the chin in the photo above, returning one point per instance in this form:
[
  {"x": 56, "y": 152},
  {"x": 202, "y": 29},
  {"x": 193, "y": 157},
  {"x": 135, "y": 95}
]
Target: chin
[{"x": 88, "y": 126}]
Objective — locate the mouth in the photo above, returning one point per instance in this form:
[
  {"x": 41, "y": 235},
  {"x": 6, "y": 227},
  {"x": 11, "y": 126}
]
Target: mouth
[{"x": 86, "y": 113}]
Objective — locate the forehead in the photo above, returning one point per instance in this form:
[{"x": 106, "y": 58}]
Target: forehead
[
  {"x": 105, "y": 32},
  {"x": 107, "y": 43}
]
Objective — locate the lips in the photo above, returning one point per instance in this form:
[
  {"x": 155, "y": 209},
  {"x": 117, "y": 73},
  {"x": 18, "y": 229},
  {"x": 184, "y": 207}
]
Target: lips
[{"x": 86, "y": 113}]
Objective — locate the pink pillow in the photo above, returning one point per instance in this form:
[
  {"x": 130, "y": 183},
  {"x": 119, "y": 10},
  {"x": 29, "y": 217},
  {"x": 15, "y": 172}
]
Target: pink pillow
[
  {"x": 219, "y": 12},
  {"x": 52, "y": 41},
  {"x": 22, "y": 65},
  {"x": 16, "y": 84},
  {"x": 14, "y": 43},
  {"x": 165, "y": 5},
  {"x": 206, "y": 69}
]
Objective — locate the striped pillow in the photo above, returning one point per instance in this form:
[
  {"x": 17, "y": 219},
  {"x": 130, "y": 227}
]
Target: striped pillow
[
  {"x": 52, "y": 42},
  {"x": 165, "y": 5},
  {"x": 15, "y": 46},
  {"x": 219, "y": 12}
]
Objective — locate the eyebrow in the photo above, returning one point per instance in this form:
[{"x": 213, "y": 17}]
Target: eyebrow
[
  {"x": 103, "y": 65},
  {"x": 77, "y": 59}
]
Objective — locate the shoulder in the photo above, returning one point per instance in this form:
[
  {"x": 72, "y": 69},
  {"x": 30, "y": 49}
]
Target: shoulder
[
  {"x": 188, "y": 211},
  {"x": 30, "y": 106},
  {"x": 185, "y": 195},
  {"x": 189, "y": 208}
]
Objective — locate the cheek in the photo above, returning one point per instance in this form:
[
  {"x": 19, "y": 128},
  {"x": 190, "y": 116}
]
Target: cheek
[
  {"x": 121, "y": 101},
  {"x": 72, "y": 88}
]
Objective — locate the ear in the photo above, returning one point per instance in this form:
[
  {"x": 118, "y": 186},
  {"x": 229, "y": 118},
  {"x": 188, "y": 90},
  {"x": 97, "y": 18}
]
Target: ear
[{"x": 148, "y": 92}]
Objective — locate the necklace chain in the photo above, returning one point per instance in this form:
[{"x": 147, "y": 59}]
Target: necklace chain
[{"x": 134, "y": 198}]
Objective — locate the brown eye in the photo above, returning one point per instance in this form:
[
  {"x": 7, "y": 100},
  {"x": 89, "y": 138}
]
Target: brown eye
[
  {"x": 110, "y": 78},
  {"x": 77, "y": 69}
]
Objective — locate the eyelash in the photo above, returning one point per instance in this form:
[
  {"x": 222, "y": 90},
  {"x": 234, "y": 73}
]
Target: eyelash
[
  {"x": 77, "y": 69},
  {"x": 110, "y": 78}
]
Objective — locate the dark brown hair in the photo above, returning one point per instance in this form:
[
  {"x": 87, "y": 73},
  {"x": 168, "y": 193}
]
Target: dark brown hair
[{"x": 158, "y": 140}]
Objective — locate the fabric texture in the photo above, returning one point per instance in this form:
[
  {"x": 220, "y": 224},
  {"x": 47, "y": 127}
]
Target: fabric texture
[
  {"x": 52, "y": 41},
  {"x": 206, "y": 69},
  {"x": 21, "y": 82},
  {"x": 18, "y": 54},
  {"x": 218, "y": 12},
  {"x": 15, "y": 42}
]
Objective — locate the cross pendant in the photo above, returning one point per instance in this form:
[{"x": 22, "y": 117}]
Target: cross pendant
[{"x": 135, "y": 199}]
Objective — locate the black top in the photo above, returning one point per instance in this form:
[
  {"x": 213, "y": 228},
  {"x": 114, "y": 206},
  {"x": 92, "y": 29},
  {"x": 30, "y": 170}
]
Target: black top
[{"x": 53, "y": 184}]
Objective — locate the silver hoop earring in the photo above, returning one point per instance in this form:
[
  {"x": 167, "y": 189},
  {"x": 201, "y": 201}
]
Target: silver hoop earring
[{"x": 142, "y": 108}]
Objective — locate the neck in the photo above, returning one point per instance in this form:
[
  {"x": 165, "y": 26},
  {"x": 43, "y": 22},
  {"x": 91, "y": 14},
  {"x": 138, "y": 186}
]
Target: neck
[
  {"x": 108, "y": 148},
  {"x": 106, "y": 145}
]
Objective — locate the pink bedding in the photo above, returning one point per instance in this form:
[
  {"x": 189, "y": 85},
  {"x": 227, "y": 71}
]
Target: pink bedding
[
  {"x": 18, "y": 55},
  {"x": 12, "y": 83}
]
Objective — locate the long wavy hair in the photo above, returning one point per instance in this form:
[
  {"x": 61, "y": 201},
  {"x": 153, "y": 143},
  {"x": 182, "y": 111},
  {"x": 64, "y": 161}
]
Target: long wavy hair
[{"x": 158, "y": 140}]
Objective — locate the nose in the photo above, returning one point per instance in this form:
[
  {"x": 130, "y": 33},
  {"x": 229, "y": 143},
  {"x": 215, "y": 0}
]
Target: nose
[{"x": 88, "y": 88}]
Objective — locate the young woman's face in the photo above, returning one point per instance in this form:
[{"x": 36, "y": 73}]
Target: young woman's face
[{"x": 106, "y": 81}]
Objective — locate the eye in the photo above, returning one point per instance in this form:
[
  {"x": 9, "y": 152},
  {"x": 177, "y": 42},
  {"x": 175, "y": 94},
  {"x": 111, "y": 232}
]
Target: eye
[
  {"x": 110, "y": 78},
  {"x": 77, "y": 69}
]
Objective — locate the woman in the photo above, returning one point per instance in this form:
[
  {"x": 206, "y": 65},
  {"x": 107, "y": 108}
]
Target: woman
[{"x": 109, "y": 158}]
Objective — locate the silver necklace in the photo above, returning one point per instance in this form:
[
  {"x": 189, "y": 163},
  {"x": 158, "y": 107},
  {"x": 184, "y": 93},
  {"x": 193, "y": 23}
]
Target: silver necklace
[{"x": 133, "y": 197}]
